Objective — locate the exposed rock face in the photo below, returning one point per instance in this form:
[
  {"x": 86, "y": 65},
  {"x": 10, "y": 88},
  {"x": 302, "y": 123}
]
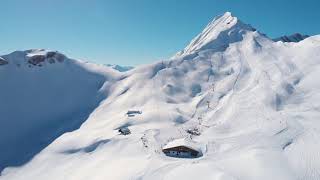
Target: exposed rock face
[
  {"x": 36, "y": 59},
  {"x": 297, "y": 37},
  {"x": 51, "y": 57},
  {"x": 3, "y": 61},
  {"x": 33, "y": 57},
  {"x": 51, "y": 54},
  {"x": 59, "y": 57}
]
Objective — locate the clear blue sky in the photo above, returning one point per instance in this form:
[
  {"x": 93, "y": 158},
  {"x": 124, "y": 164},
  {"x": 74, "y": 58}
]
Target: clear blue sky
[{"x": 131, "y": 32}]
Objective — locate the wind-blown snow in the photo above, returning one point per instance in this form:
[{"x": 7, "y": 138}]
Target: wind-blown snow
[{"x": 254, "y": 101}]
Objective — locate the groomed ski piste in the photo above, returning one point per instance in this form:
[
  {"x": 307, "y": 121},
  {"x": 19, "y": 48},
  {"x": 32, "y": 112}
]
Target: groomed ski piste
[{"x": 254, "y": 103}]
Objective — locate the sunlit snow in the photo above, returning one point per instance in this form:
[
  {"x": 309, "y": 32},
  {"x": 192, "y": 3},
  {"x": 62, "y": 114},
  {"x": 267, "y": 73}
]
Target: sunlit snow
[{"x": 254, "y": 102}]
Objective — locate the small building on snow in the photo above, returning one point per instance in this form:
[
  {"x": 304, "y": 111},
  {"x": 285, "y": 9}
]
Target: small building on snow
[
  {"x": 182, "y": 148},
  {"x": 124, "y": 131},
  {"x": 131, "y": 113}
]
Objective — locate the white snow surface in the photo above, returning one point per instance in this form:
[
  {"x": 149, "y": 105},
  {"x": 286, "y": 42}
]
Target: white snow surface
[{"x": 255, "y": 101}]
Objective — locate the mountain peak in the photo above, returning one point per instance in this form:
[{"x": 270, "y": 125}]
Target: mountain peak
[
  {"x": 33, "y": 57},
  {"x": 218, "y": 34},
  {"x": 226, "y": 14}
]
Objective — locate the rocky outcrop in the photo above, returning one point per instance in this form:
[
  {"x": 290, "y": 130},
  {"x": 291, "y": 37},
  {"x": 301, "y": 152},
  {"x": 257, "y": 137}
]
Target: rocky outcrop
[
  {"x": 36, "y": 59},
  {"x": 59, "y": 57},
  {"x": 297, "y": 37},
  {"x": 3, "y": 61},
  {"x": 50, "y": 57}
]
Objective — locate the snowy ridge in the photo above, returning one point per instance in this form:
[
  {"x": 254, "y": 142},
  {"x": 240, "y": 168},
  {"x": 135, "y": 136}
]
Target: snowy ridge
[
  {"x": 254, "y": 102},
  {"x": 218, "y": 34},
  {"x": 43, "y": 95},
  {"x": 34, "y": 57},
  {"x": 297, "y": 37}
]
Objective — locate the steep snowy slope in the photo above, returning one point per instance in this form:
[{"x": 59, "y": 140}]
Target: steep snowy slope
[
  {"x": 255, "y": 103},
  {"x": 222, "y": 31},
  {"x": 44, "y": 94}
]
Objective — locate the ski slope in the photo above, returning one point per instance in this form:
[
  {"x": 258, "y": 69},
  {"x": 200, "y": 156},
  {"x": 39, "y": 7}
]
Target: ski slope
[{"x": 254, "y": 101}]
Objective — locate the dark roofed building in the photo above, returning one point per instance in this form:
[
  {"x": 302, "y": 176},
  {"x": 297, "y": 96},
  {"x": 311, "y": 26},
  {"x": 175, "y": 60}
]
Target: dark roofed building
[
  {"x": 182, "y": 149},
  {"x": 131, "y": 113},
  {"x": 124, "y": 131}
]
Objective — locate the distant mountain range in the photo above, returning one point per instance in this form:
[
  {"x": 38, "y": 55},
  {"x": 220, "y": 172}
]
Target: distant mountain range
[{"x": 297, "y": 37}]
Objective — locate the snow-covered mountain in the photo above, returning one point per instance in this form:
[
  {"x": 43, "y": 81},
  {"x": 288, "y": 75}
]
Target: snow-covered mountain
[
  {"x": 297, "y": 37},
  {"x": 44, "y": 94},
  {"x": 218, "y": 35},
  {"x": 254, "y": 104}
]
